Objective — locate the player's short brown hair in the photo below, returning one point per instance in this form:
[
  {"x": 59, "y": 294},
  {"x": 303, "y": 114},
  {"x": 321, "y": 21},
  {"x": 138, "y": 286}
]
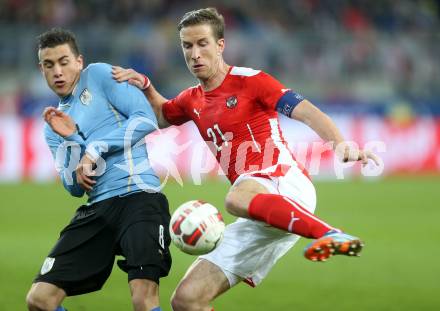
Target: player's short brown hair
[
  {"x": 208, "y": 16},
  {"x": 58, "y": 36}
]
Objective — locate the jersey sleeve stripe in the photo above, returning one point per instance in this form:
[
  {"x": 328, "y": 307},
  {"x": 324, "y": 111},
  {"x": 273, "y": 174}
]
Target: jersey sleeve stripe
[{"x": 285, "y": 155}]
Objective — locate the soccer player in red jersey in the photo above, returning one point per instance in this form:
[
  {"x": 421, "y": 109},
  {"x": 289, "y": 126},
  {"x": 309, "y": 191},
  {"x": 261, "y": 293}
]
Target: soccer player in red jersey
[{"x": 235, "y": 110}]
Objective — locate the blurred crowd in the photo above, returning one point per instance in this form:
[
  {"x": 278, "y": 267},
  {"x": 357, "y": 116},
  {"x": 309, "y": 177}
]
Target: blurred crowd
[{"x": 352, "y": 54}]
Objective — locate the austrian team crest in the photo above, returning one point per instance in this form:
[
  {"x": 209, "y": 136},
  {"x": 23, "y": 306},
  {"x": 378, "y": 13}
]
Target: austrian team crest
[
  {"x": 231, "y": 102},
  {"x": 85, "y": 97}
]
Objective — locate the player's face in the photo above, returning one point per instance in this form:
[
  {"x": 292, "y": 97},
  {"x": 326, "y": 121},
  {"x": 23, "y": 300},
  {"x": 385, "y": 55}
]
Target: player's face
[
  {"x": 203, "y": 53},
  {"x": 61, "y": 68}
]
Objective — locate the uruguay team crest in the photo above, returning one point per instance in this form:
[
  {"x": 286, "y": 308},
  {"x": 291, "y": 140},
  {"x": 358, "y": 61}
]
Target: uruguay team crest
[
  {"x": 47, "y": 265},
  {"x": 85, "y": 97},
  {"x": 231, "y": 102}
]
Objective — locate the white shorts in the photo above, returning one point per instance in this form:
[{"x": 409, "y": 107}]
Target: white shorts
[{"x": 251, "y": 248}]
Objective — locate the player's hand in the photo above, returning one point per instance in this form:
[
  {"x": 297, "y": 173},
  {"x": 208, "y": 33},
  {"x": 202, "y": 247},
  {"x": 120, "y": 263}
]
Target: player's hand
[
  {"x": 84, "y": 173},
  {"x": 349, "y": 153},
  {"x": 132, "y": 76},
  {"x": 61, "y": 123}
]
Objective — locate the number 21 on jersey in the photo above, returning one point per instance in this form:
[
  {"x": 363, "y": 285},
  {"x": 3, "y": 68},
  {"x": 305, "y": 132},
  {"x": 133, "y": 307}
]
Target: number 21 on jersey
[{"x": 212, "y": 133}]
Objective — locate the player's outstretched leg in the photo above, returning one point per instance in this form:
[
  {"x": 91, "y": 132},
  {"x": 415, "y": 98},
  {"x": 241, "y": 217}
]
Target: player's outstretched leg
[
  {"x": 333, "y": 243},
  {"x": 284, "y": 213}
]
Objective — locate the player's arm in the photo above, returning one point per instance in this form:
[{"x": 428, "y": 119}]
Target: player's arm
[
  {"x": 64, "y": 154},
  {"x": 323, "y": 125},
  {"x": 274, "y": 95},
  {"x": 74, "y": 148},
  {"x": 143, "y": 83}
]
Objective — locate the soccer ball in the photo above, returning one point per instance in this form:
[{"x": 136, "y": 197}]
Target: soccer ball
[{"x": 196, "y": 227}]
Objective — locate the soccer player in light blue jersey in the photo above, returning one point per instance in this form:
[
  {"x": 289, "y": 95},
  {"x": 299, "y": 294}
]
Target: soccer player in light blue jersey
[{"x": 95, "y": 136}]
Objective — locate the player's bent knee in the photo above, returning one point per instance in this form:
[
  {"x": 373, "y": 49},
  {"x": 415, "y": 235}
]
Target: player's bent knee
[
  {"x": 176, "y": 303},
  {"x": 44, "y": 296},
  {"x": 138, "y": 302},
  {"x": 181, "y": 303},
  {"x": 185, "y": 298},
  {"x": 141, "y": 301},
  {"x": 36, "y": 301},
  {"x": 144, "y": 294},
  {"x": 233, "y": 204}
]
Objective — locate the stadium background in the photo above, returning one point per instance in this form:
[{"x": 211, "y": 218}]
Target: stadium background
[{"x": 374, "y": 66}]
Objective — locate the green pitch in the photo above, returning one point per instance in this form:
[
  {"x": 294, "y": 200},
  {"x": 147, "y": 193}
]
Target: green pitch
[{"x": 399, "y": 268}]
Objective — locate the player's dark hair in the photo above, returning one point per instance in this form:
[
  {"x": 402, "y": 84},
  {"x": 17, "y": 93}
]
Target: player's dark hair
[
  {"x": 58, "y": 36},
  {"x": 208, "y": 16}
]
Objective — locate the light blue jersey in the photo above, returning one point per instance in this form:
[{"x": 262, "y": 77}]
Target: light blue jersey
[{"x": 113, "y": 119}]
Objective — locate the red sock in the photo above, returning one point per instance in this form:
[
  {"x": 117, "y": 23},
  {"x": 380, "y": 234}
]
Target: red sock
[{"x": 284, "y": 213}]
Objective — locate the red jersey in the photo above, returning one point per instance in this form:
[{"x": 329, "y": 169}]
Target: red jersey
[{"x": 238, "y": 120}]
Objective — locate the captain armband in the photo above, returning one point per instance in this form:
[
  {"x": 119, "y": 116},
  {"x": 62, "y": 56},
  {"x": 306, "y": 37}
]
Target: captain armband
[{"x": 288, "y": 102}]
